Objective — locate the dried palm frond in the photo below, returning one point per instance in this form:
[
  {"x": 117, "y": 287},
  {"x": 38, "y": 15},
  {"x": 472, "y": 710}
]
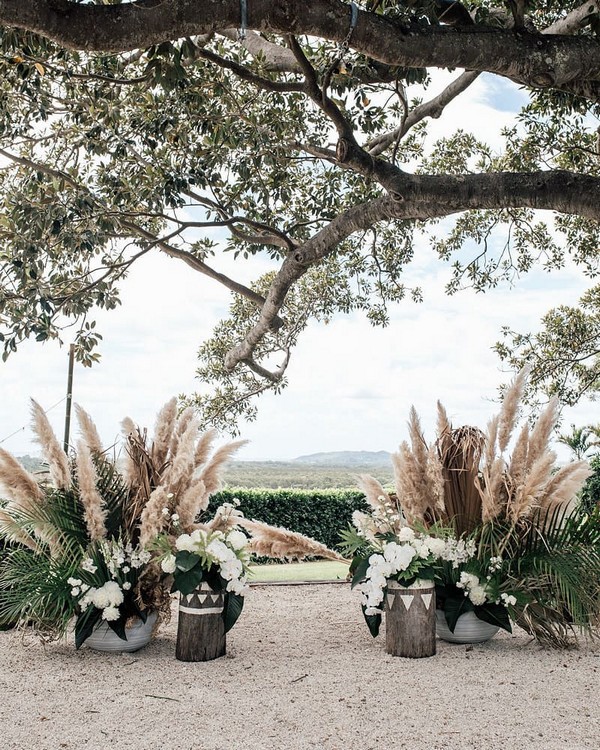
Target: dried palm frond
[
  {"x": 51, "y": 448},
  {"x": 94, "y": 510},
  {"x": 163, "y": 432},
  {"x": 88, "y": 430},
  {"x": 18, "y": 483},
  {"x": 279, "y": 543},
  {"x": 211, "y": 474},
  {"x": 13, "y": 531},
  {"x": 460, "y": 452}
]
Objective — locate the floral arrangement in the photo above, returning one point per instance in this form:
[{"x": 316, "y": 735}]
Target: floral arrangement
[
  {"x": 105, "y": 586},
  {"x": 81, "y": 545},
  {"x": 530, "y": 553},
  {"x": 218, "y": 556}
]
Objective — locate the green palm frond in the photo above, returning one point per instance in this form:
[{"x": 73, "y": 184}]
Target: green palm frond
[{"x": 34, "y": 589}]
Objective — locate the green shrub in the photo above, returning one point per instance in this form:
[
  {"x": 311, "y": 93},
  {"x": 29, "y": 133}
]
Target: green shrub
[
  {"x": 320, "y": 514},
  {"x": 590, "y": 494}
]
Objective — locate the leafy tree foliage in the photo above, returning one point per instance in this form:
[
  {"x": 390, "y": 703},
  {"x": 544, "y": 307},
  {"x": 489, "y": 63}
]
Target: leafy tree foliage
[
  {"x": 564, "y": 354},
  {"x": 129, "y": 128}
]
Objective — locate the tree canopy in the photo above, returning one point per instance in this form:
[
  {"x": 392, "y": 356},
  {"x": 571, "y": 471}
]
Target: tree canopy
[{"x": 293, "y": 130}]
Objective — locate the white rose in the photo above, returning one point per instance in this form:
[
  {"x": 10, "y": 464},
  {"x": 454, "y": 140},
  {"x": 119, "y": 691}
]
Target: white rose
[
  {"x": 219, "y": 550},
  {"x": 168, "y": 564}
]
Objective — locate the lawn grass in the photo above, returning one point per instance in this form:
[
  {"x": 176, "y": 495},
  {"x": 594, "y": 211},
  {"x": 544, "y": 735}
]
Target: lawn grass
[{"x": 321, "y": 570}]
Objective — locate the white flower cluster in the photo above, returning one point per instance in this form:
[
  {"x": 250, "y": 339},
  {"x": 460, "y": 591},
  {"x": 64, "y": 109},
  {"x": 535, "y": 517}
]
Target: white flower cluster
[
  {"x": 394, "y": 558},
  {"x": 382, "y": 520},
  {"x": 226, "y": 550},
  {"x": 120, "y": 561},
  {"x": 458, "y": 551},
  {"x": 473, "y": 588}
]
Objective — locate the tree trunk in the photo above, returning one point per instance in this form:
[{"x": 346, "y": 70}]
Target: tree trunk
[
  {"x": 201, "y": 629},
  {"x": 410, "y": 619}
]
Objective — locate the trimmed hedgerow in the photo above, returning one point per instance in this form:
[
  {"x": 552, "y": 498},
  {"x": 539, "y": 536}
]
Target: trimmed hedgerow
[{"x": 320, "y": 514}]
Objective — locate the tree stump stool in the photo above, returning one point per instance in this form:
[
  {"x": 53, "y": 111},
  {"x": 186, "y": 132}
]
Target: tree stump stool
[
  {"x": 410, "y": 619},
  {"x": 201, "y": 629}
]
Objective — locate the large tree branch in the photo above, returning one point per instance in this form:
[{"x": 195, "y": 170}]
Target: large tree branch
[
  {"x": 532, "y": 59},
  {"x": 424, "y": 197}
]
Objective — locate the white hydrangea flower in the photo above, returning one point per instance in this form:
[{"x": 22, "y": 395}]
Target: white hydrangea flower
[
  {"x": 436, "y": 546},
  {"x": 108, "y": 595},
  {"x": 110, "y": 614},
  {"x": 477, "y": 595}
]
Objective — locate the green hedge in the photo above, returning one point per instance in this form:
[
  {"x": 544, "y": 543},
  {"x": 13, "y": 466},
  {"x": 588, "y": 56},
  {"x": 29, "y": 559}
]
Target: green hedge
[
  {"x": 590, "y": 494},
  {"x": 320, "y": 514}
]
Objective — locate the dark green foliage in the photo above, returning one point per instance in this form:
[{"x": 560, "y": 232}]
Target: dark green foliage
[
  {"x": 319, "y": 514},
  {"x": 590, "y": 494}
]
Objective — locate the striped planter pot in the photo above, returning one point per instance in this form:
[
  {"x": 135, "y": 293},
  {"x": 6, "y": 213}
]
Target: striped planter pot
[
  {"x": 469, "y": 628},
  {"x": 138, "y": 635}
]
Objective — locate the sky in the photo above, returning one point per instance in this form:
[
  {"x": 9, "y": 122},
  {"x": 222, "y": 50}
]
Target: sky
[{"x": 351, "y": 385}]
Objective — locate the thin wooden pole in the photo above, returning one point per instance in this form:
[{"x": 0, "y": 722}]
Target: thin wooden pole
[{"x": 69, "y": 397}]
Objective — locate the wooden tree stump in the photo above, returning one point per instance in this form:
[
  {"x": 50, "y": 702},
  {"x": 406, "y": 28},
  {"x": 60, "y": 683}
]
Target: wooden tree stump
[
  {"x": 410, "y": 619},
  {"x": 201, "y": 629}
]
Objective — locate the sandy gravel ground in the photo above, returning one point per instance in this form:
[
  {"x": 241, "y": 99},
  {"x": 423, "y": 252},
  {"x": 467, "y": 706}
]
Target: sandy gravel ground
[{"x": 301, "y": 673}]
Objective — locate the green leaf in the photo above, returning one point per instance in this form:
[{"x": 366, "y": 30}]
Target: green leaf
[
  {"x": 118, "y": 627},
  {"x": 373, "y": 622},
  {"x": 495, "y": 614},
  {"x": 186, "y": 560},
  {"x": 360, "y": 571},
  {"x": 85, "y": 625},
  {"x": 232, "y": 610},
  {"x": 187, "y": 581},
  {"x": 454, "y": 607}
]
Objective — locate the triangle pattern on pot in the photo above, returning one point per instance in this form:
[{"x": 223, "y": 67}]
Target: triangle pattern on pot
[
  {"x": 407, "y": 600},
  {"x": 390, "y": 600},
  {"x": 203, "y": 598},
  {"x": 427, "y": 599}
]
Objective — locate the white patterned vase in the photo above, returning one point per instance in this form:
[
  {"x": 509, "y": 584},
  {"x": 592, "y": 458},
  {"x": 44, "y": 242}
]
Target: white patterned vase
[{"x": 469, "y": 628}]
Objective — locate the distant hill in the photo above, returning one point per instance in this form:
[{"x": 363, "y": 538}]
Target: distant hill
[
  {"x": 316, "y": 471},
  {"x": 347, "y": 458}
]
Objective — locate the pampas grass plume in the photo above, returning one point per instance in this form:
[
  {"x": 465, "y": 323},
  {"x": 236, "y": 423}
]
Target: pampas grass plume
[
  {"x": 51, "y": 448},
  {"x": 211, "y": 474},
  {"x": 88, "y": 430},
  {"x": 279, "y": 543},
  {"x": 152, "y": 519},
  {"x": 23, "y": 490},
  {"x": 163, "y": 432},
  {"x": 93, "y": 504}
]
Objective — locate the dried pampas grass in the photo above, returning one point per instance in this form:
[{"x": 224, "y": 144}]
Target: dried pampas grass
[
  {"x": 88, "y": 430},
  {"x": 279, "y": 543},
  {"x": 51, "y": 448},
  {"x": 211, "y": 474},
  {"x": 94, "y": 512},
  {"x": 21, "y": 487},
  {"x": 163, "y": 432},
  {"x": 152, "y": 519}
]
